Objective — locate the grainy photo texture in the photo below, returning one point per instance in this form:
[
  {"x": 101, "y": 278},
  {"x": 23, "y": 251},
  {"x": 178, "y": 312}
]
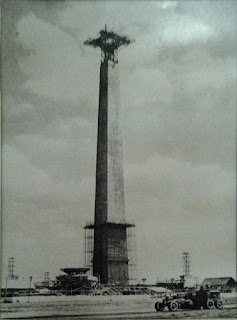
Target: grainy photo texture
[{"x": 118, "y": 159}]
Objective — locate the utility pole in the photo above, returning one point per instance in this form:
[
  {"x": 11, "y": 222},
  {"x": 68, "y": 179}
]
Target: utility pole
[
  {"x": 6, "y": 290},
  {"x": 30, "y": 288}
]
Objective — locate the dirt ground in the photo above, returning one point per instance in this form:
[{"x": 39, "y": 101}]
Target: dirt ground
[{"x": 110, "y": 307}]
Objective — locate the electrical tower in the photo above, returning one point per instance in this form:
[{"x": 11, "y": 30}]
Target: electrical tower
[
  {"x": 11, "y": 269},
  {"x": 186, "y": 263},
  {"x": 46, "y": 277}
]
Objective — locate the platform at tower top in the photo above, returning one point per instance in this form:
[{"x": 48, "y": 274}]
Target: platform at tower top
[{"x": 109, "y": 42}]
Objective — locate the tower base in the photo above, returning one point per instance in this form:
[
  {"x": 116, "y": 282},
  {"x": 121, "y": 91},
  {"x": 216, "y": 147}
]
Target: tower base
[{"x": 109, "y": 251}]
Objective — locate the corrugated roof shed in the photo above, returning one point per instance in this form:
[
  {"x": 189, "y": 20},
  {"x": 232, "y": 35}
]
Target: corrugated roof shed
[{"x": 223, "y": 281}]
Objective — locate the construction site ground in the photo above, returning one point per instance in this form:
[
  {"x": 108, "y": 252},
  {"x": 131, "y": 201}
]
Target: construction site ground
[{"x": 105, "y": 307}]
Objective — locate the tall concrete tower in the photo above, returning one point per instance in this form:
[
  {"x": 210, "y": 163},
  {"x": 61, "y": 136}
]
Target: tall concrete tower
[{"x": 110, "y": 253}]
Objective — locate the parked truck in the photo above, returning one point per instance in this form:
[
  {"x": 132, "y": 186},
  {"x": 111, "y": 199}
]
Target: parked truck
[{"x": 196, "y": 299}]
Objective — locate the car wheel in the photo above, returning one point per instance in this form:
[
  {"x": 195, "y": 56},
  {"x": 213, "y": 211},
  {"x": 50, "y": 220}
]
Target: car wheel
[
  {"x": 219, "y": 304},
  {"x": 173, "y": 306},
  {"x": 159, "y": 306},
  {"x": 210, "y": 304}
]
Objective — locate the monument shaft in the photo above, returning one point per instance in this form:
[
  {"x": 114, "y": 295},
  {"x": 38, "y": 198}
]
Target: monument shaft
[{"x": 109, "y": 203}]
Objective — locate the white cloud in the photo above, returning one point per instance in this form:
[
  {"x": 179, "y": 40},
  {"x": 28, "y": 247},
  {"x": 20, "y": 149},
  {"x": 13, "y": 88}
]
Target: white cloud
[
  {"x": 169, "y": 4},
  {"x": 186, "y": 31},
  {"x": 54, "y": 67}
]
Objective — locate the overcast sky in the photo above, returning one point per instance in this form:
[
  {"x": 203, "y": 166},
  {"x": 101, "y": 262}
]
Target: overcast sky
[{"x": 178, "y": 102}]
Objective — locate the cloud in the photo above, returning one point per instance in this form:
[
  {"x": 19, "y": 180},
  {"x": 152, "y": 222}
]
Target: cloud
[
  {"x": 176, "y": 200},
  {"x": 39, "y": 213},
  {"x": 178, "y": 100},
  {"x": 186, "y": 32},
  {"x": 169, "y": 4},
  {"x": 54, "y": 66}
]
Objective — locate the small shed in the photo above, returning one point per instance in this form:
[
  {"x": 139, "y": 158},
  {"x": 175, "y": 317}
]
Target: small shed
[{"x": 223, "y": 283}]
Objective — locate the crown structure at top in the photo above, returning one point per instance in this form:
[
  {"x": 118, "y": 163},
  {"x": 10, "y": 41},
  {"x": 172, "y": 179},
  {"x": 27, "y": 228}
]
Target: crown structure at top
[{"x": 109, "y": 42}]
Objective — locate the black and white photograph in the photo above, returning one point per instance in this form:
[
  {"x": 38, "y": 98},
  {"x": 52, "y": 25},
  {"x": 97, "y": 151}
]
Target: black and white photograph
[{"x": 118, "y": 136}]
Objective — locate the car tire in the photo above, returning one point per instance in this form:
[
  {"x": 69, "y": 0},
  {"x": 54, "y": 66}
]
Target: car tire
[
  {"x": 210, "y": 304},
  {"x": 159, "y": 306},
  {"x": 219, "y": 304},
  {"x": 173, "y": 306}
]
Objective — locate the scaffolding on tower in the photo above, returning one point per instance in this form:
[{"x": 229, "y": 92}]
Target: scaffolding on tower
[
  {"x": 132, "y": 255},
  {"x": 131, "y": 248}
]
